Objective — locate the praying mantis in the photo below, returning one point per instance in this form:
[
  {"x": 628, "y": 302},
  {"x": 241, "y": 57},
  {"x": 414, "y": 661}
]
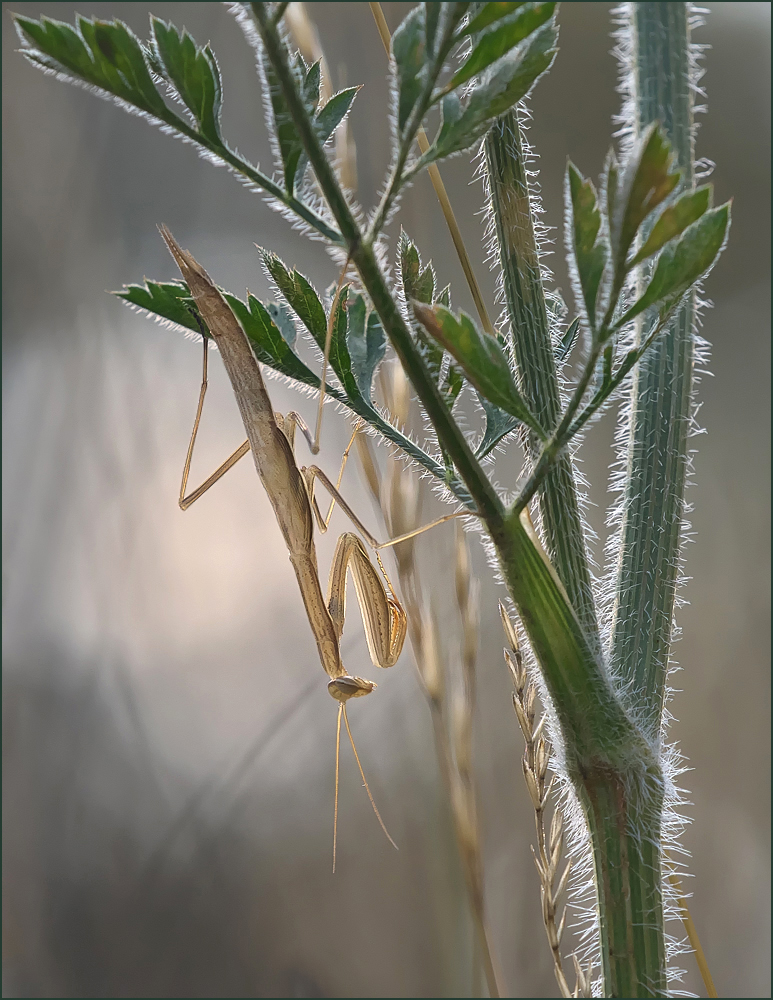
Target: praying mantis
[{"x": 271, "y": 438}]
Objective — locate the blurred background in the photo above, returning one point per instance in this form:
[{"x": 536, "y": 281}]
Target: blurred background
[{"x": 168, "y": 740}]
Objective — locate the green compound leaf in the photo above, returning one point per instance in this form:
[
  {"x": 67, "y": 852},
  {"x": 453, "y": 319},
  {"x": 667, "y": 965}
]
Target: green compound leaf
[
  {"x": 490, "y": 13},
  {"x": 682, "y": 263},
  {"x": 589, "y": 253},
  {"x": 168, "y": 300},
  {"x": 306, "y": 304},
  {"x": 500, "y": 40},
  {"x": 193, "y": 72},
  {"x": 367, "y": 345},
  {"x": 646, "y": 180},
  {"x": 499, "y": 87},
  {"x": 480, "y": 357},
  {"x": 409, "y": 53},
  {"x": 104, "y": 54},
  {"x": 674, "y": 220}
]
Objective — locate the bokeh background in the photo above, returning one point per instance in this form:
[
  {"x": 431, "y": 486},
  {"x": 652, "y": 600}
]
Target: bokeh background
[{"x": 168, "y": 740}]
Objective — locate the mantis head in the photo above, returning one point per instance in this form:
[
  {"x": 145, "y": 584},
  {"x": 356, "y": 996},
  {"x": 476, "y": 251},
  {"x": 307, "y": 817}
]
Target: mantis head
[{"x": 346, "y": 687}]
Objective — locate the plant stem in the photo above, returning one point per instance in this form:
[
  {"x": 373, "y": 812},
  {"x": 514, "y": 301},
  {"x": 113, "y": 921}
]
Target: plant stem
[
  {"x": 533, "y": 352},
  {"x": 656, "y": 453}
]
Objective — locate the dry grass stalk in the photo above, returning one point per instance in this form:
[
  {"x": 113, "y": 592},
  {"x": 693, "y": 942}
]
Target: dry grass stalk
[
  {"x": 400, "y": 498},
  {"x": 547, "y": 857}
]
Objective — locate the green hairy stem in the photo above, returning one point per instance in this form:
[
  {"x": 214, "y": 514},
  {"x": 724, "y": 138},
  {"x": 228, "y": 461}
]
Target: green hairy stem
[
  {"x": 525, "y": 300},
  {"x": 656, "y": 454}
]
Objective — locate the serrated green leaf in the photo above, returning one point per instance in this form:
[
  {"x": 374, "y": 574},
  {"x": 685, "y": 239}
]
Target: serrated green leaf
[
  {"x": 490, "y": 13},
  {"x": 419, "y": 285},
  {"x": 169, "y": 300},
  {"x": 500, "y": 40},
  {"x": 444, "y": 297},
  {"x": 418, "y": 282},
  {"x": 567, "y": 342},
  {"x": 193, "y": 72},
  {"x": 269, "y": 329},
  {"x": 300, "y": 296},
  {"x": 498, "y": 425},
  {"x": 306, "y": 304},
  {"x": 409, "y": 52},
  {"x": 480, "y": 357},
  {"x": 645, "y": 182},
  {"x": 590, "y": 253},
  {"x": 327, "y": 121},
  {"x": 367, "y": 345},
  {"x": 333, "y": 113},
  {"x": 673, "y": 221},
  {"x": 682, "y": 263},
  {"x": 500, "y": 87},
  {"x": 105, "y": 54}
]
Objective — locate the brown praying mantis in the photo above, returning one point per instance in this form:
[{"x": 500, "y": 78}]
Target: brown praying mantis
[{"x": 271, "y": 439}]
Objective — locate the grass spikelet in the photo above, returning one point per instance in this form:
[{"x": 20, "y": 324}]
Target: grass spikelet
[{"x": 547, "y": 856}]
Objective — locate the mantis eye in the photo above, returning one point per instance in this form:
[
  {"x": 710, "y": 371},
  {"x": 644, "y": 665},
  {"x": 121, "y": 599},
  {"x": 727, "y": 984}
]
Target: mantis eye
[{"x": 346, "y": 687}]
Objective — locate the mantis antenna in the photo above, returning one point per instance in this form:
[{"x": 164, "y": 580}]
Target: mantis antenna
[{"x": 342, "y": 711}]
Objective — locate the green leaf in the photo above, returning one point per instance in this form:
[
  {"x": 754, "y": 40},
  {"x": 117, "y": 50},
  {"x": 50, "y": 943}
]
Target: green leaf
[
  {"x": 288, "y": 142},
  {"x": 490, "y": 13},
  {"x": 500, "y": 40},
  {"x": 498, "y": 425},
  {"x": 646, "y": 181},
  {"x": 268, "y": 339},
  {"x": 432, "y": 15},
  {"x": 500, "y": 87},
  {"x": 300, "y": 296},
  {"x": 418, "y": 282},
  {"x": 193, "y": 72},
  {"x": 327, "y": 121},
  {"x": 682, "y": 263},
  {"x": 419, "y": 285},
  {"x": 589, "y": 253},
  {"x": 409, "y": 52},
  {"x": 452, "y": 384},
  {"x": 306, "y": 304},
  {"x": 367, "y": 345},
  {"x": 567, "y": 342},
  {"x": 168, "y": 300},
  {"x": 480, "y": 357},
  {"x": 105, "y": 54},
  {"x": 673, "y": 221}
]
